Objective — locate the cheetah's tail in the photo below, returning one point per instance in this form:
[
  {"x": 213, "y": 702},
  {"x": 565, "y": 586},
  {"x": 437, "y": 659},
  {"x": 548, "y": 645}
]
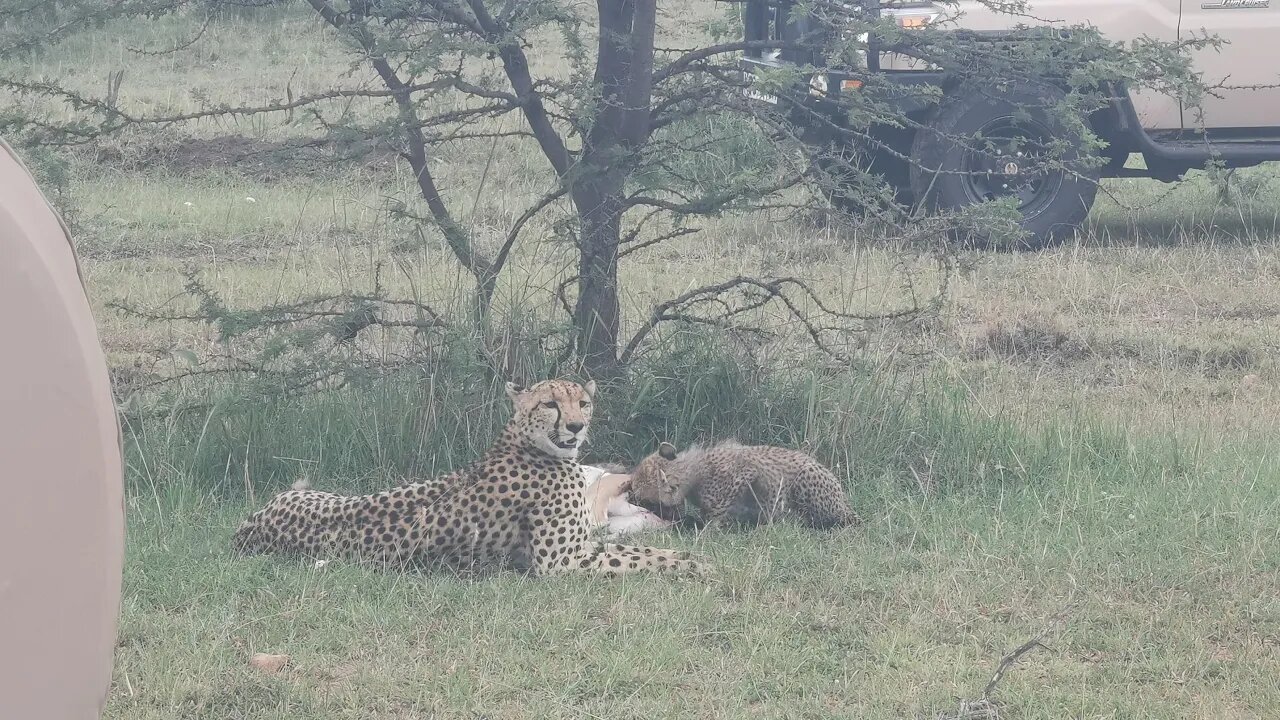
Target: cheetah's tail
[
  {"x": 851, "y": 518},
  {"x": 846, "y": 516},
  {"x": 244, "y": 542},
  {"x": 836, "y": 517}
]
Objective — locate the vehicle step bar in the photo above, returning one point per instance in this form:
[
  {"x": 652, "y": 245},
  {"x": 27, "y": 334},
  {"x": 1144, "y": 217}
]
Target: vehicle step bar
[{"x": 1189, "y": 152}]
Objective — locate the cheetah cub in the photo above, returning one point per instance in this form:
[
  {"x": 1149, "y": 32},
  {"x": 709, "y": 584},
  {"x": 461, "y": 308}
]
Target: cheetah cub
[{"x": 733, "y": 479}]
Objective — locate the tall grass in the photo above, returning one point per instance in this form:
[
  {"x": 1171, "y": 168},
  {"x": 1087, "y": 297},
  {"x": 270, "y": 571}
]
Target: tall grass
[{"x": 879, "y": 430}]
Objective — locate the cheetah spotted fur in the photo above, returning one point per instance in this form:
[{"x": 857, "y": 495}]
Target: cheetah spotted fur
[{"x": 522, "y": 500}]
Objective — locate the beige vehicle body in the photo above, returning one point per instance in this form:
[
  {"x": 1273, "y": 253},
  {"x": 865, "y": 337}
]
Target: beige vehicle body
[{"x": 1249, "y": 84}]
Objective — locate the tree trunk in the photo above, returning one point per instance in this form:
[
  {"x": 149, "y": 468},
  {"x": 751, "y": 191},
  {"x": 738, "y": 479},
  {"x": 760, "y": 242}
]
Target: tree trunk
[
  {"x": 597, "y": 316},
  {"x": 624, "y": 74}
]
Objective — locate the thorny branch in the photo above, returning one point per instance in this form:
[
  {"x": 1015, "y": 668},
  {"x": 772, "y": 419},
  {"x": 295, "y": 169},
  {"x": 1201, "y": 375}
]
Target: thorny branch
[
  {"x": 300, "y": 337},
  {"x": 360, "y": 312},
  {"x": 715, "y": 305},
  {"x": 116, "y": 118}
]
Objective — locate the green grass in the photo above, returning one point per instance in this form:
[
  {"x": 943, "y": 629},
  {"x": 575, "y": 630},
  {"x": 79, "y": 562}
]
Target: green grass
[
  {"x": 1173, "y": 581},
  {"x": 1096, "y": 422},
  {"x": 978, "y": 533}
]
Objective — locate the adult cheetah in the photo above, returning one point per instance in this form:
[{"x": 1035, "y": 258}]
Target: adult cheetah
[
  {"x": 732, "y": 479},
  {"x": 523, "y": 499}
]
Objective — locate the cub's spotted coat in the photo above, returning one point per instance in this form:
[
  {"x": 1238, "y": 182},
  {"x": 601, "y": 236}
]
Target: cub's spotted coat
[{"x": 735, "y": 479}]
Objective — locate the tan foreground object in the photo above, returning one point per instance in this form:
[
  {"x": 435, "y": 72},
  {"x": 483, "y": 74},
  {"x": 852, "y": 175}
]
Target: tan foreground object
[
  {"x": 62, "y": 512},
  {"x": 269, "y": 664}
]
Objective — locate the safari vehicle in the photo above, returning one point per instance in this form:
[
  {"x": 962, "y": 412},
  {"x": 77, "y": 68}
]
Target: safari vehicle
[{"x": 1238, "y": 125}]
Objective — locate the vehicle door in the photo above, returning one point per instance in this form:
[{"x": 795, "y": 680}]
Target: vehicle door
[{"x": 1245, "y": 71}]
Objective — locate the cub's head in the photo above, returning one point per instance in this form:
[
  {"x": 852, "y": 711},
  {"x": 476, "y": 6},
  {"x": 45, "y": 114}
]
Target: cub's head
[
  {"x": 552, "y": 416},
  {"x": 657, "y": 480}
]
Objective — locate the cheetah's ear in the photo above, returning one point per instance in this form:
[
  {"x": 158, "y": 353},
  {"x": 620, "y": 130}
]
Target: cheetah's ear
[
  {"x": 667, "y": 451},
  {"x": 514, "y": 391}
]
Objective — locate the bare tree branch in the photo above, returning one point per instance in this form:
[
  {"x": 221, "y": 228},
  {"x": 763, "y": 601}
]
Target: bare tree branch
[
  {"x": 759, "y": 292},
  {"x": 517, "y": 68},
  {"x": 456, "y": 236},
  {"x": 692, "y": 59}
]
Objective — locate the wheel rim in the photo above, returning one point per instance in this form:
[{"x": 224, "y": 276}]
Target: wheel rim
[{"x": 1008, "y": 161}]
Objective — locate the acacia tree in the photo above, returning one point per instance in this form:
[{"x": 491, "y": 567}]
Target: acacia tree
[
  {"x": 595, "y": 129},
  {"x": 615, "y": 131}
]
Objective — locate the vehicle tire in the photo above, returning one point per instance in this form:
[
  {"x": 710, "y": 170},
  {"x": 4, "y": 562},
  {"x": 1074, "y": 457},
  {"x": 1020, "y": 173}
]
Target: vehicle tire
[{"x": 950, "y": 170}]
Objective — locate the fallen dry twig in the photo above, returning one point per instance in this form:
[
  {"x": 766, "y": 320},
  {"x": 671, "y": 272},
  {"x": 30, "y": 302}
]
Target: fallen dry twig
[{"x": 985, "y": 707}]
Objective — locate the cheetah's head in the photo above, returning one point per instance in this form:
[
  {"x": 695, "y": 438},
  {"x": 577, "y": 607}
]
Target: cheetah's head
[
  {"x": 657, "y": 480},
  {"x": 552, "y": 415}
]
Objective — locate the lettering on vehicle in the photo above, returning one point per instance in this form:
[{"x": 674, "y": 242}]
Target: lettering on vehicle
[{"x": 1234, "y": 4}]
